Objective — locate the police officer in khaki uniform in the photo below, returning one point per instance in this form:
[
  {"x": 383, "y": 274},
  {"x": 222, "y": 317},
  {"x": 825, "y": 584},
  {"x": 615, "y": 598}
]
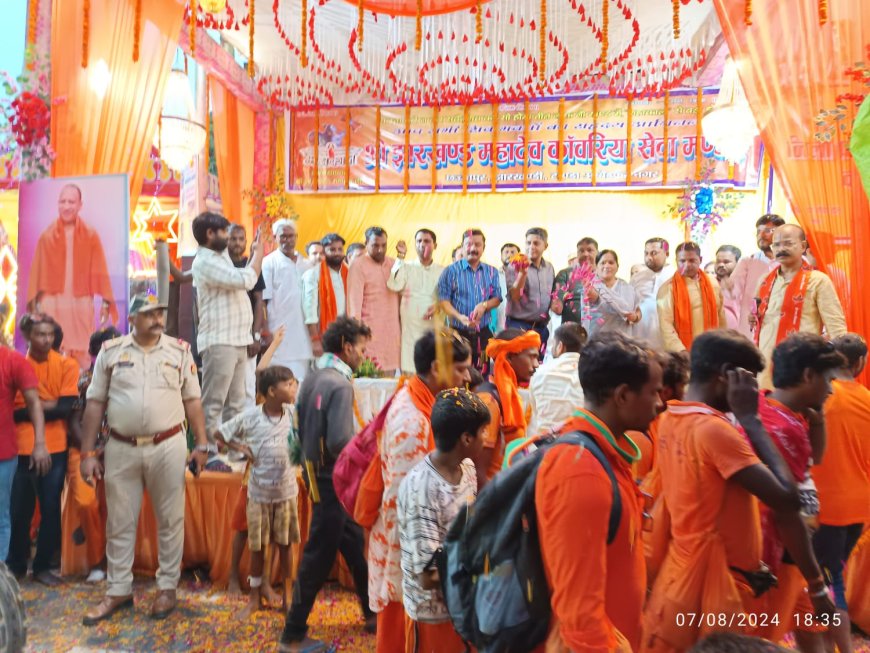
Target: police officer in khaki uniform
[{"x": 146, "y": 384}]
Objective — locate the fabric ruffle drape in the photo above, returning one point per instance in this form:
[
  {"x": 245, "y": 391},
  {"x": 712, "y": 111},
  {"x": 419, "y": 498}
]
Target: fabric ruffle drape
[
  {"x": 112, "y": 134},
  {"x": 789, "y": 85}
]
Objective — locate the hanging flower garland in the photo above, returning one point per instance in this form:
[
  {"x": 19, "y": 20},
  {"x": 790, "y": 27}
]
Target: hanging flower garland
[
  {"x": 25, "y": 117},
  {"x": 525, "y": 143},
  {"x": 493, "y": 159},
  {"x": 418, "y": 36},
  {"x": 251, "y": 38},
  {"x": 542, "y": 64},
  {"x": 32, "y": 19},
  {"x": 747, "y": 12},
  {"x": 137, "y": 29},
  {"x": 699, "y": 134},
  {"x": 316, "y": 176},
  {"x": 465, "y": 153},
  {"x": 270, "y": 202},
  {"x": 361, "y": 14},
  {"x": 478, "y": 22},
  {"x": 86, "y": 31},
  {"x": 303, "y": 37},
  {"x": 702, "y": 206},
  {"x": 823, "y": 12},
  {"x": 629, "y": 118},
  {"x": 676, "y": 19},
  {"x": 594, "y": 133},
  {"x": 560, "y": 151},
  {"x": 378, "y": 149},
  {"x": 435, "y": 111},
  {"x": 192, "y": 27},
  {"x": 605, "y": 31}
]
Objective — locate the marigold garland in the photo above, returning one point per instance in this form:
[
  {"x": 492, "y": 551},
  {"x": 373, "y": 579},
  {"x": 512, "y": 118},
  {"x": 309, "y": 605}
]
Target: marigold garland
[
  {"x": 347, "y": 152},
  {"x": 478, "y": 22},
  {"x": 32, "y": 17},
  {"x": 465, "y": 157},
  {"x": 665, "y": 139},
  {"x": 628, "y": 120},
  {"x": 542, "y": 67},
  {"x": 303, "y": 39},
  {"x": 594, "y": 134},
  {"x": 605, "y": 30},
  {"x": 137, "y": 28},
  {"x": 251, "y": 38},
  {"x": 493, "y": 159},
  {"x": 747, "y": 12},
  {"x": 378, "y": 149},
  {"x": 192, "y": 27},
  {"x": 434, "y": 146},
  {"x": 272, "y": 153},
  {"x": 86, "y": 31},
  {"x": 406, "y": 178},
  {"x": 315, "y": 182},
  {"x": 525, "y": 142},
  {"x": 560, "y": 164},
  {"x": 418, "y": 37},
  {"x": 676, "y": 19},
  {"x": 823, "y": 12},
  {"x": 699, "y": 113},
  {"x": 361, "y": 14}
]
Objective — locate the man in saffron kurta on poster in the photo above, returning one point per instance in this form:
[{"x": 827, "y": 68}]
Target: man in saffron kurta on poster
[
  {"x": 369, "y": 300},
  {"x": 68, "y": 271}
]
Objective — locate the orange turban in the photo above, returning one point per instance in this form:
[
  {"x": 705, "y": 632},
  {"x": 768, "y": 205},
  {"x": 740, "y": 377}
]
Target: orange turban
[{"x": 505, "y": 378}]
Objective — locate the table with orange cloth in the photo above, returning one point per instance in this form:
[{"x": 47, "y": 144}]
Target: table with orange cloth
[{"x": 208, "y": 535}]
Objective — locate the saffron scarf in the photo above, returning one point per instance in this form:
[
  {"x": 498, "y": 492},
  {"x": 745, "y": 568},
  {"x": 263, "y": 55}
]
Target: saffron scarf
[
  {"x": 504, "y": 377},
  {"x": 423, "y": 400},
  {"x": 683, "y": 307},
  {"x": 326, "y": 294},
  {"x": 792, "y": 304}
]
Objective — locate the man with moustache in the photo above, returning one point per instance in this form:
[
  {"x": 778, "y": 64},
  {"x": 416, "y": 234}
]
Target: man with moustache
[
  {"x": 750, "y": 270},
  {"x": 370, "y": 300},
  {"x": 146, "y": 385},
  {"x": 507, "y": 252},
  {"x": 68, "y": 271},
  {"x": 530, "y": 290},
  {"x": 727, "y": 258},
  {"x": 324, "y": 290},
  {"x": 793, "y": 297},
  {"x": 569, "y": 294},
  {"x": 646, "y": 283},
  {"x": 416, "y": 282},
  {"x": 282, "y": 273},
  {"x": 236, "y": 247},
  {"x": 468, "y": 291},
  {"x": 225, "y": 319}
]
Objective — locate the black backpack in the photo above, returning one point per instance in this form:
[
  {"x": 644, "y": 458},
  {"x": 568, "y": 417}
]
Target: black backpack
[{"x": 490, "y": 565}]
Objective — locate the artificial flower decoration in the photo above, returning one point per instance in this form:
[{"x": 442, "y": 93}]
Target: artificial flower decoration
[
  {"x": 519, "y": 262},
  {"x": 702, "y": 206}
]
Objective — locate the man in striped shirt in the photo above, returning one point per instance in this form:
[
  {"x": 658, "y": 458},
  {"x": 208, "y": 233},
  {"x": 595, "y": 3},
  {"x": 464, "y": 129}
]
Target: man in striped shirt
[
  {"x": 468, "y": 290},
  {"x": 225, "y": 319}
]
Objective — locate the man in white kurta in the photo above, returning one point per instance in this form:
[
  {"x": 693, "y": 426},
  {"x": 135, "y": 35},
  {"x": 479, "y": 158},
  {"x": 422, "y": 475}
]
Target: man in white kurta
[
  {"x": 417, "y": 282},
  {"x": 647, "y": 282},
  {"x": 282, "y": 274}
]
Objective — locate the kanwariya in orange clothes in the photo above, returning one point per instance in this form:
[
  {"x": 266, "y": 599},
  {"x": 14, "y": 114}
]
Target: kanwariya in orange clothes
[
  {"x": 406, "y": 439},
  {"x": 790, "y": 433},
  {"x": 597, "y": 590},
  {"x": 714, "y": 526}
]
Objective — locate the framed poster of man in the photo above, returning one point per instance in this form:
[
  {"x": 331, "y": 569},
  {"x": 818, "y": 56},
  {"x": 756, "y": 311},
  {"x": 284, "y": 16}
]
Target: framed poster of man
[{"x": 73, "y": 237}]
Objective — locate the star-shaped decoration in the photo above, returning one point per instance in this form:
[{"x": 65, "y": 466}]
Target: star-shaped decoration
[{"x": 154, "y": 223}]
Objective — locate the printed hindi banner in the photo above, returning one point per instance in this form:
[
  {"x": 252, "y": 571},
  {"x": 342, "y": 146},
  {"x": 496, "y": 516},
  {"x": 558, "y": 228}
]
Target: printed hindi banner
[{"x": 604, "y": 142}]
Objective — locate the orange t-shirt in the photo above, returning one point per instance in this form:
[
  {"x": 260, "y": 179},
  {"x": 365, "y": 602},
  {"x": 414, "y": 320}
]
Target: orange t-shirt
[
  {"x": 496, "y": 436},
  {"x": 58, "y": 377},
  {"x": 597, "y": 589},
  {"x": 843, "y": 477}
]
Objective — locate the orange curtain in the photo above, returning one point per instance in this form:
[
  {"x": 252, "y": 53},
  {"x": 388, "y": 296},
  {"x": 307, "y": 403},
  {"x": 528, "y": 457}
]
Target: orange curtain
[
  {"x": 113, "y": 134},
  {"x": 793, "y": 68},
  {"x": 234, "y": 150}
]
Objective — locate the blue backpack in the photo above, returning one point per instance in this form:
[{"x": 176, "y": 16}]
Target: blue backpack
[{"x": 490, "y": 565}]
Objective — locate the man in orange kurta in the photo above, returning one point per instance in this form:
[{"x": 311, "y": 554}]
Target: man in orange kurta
[
  {"x": 597, "y": 589},
  {"x": 842, "y": 479},
  {"x": 514, "y": 355},
  {"x": 68, "y": 271},
  {"x": 369, "y": 300},
  {"x": 711, "y": 476}
]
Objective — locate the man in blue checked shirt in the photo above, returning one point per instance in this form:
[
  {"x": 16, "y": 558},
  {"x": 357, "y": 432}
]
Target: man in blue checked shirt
[{"x": 468, "y": 290}]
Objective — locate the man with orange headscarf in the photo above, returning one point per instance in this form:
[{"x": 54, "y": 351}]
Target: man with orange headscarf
[
  {"x": 68, "y": 271},
  {"x": 514, "y": 357},
  {"x": 324, "y": 290},
  {"x": 690, "y": 303}
]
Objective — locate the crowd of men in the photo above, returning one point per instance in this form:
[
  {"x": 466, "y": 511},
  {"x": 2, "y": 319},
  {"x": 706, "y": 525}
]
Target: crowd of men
[{"x": 738, "y": 488}]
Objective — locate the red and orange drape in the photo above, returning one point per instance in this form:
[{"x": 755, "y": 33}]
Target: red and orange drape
[
  {"x": 234, "y": 151},
  {"x": 788, "y": 83},
  {"x": 112, "y": 134}
]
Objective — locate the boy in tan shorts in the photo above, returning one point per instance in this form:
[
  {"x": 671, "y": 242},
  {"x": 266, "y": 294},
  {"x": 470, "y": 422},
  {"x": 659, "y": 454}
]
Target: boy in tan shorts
[{"x": 260, "y": 433}]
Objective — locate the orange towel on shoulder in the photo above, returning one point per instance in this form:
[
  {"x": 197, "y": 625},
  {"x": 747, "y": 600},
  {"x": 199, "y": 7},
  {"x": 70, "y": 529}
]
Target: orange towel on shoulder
[
  {"x": 683, "y": 307},
  {"x": 326, "y": 294}
]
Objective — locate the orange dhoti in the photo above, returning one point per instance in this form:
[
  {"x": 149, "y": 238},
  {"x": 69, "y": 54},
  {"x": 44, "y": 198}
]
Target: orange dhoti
[
  {"x": 391, "y": 628},
  {"x": 91, "y": 507},
  {"x": 432, "y": 638}
]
